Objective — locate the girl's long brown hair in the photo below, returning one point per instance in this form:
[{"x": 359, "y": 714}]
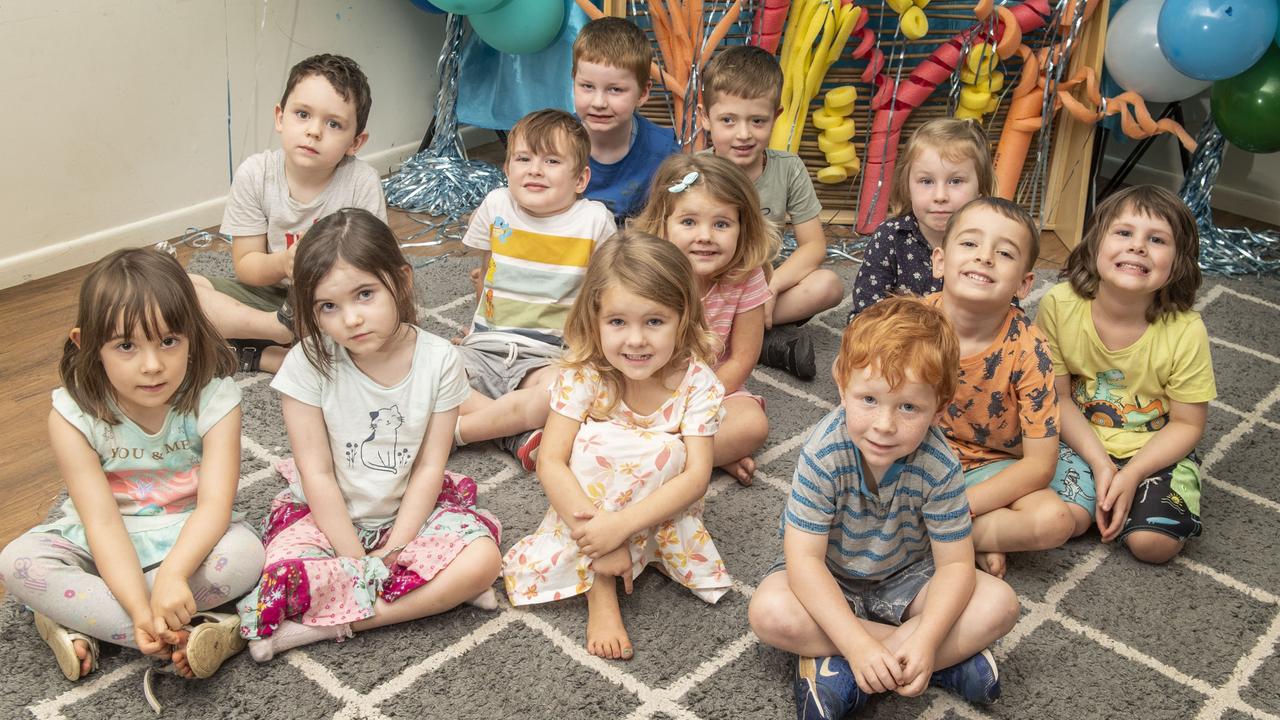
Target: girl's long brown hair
[
  {"x": 133, "y": 291},
  {"x": 655, "y": 270},
  {"x": 361, "y": 239}
]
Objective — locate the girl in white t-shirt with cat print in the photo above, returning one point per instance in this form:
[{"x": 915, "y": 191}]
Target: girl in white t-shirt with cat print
[{"x": 373, "y": 530}]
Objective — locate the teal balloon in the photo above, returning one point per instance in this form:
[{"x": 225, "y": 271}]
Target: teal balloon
[
  {"x": 1246, "y": 107},
  {"x": 519, "y": 27},
  {"x": 468, "y": 7}
]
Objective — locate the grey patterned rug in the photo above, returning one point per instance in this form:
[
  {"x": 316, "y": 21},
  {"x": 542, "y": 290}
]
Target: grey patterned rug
[{"x": 1101, "y": 636}]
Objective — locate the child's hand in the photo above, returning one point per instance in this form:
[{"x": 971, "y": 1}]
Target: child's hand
[
  {"x": 768, "y": 311},
  {"x": 1102, "y": 478},
  {"x": 389, "y": 555},
  {"x": 1113, "y": 507},
  {"x": 615, "y": 564},
  {"x": 288, "y": 259},
  {"x": 876, "y": 669},
  {"x": 601, "y": 533},
  {"x": 149, "y": 643},
  {"x": 916, "y": 660},
  {"x": 172, "y": 604}
]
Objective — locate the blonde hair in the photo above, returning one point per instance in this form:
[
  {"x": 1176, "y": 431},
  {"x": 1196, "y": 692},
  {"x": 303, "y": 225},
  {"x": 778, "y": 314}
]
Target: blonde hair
[
  {"x": 136, "y": 291},
  {"x": 361, "y": 239},
  {"x": 654, "y": 269},
  {"x": 954, "y": 140},
  {"x": 615, "y": 42},
  {"x": 899, "y": 336},
  {"x": 1179, "y": 293},
  {"x": 758, "y": 239},
  {"x": 743, "y": 71},
  {"x": 552, "y": 132}
]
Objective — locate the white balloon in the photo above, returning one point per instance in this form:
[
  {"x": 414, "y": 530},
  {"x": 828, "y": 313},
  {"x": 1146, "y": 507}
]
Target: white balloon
[{"x": 1134, "y": 59}]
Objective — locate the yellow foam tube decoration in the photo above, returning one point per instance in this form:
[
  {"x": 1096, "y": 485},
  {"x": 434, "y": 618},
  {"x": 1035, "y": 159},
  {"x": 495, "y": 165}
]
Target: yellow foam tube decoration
[
  {"x": 837, "y": 131},
  {"x": 980, "y": 83},
  {"x": 816, "y": 33},
  {"x": 911, "y": 18}
]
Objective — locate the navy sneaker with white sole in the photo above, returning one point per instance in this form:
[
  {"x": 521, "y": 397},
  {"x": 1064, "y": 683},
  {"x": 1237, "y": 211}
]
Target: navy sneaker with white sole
[
  {"x": 826, "y": 689},
  {"x": 975, "y": 679}
]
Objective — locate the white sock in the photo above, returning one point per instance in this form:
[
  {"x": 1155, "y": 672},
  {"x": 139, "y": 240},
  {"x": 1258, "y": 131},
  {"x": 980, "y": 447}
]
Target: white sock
[
  {"x": 291, "y": 635},
  {"x": 457, "y": 433},
  {"x": 487, "y": 600}
]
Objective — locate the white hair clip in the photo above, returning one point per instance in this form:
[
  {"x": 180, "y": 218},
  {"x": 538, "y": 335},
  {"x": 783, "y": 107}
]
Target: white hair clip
[{"x": 685, "y": 182}]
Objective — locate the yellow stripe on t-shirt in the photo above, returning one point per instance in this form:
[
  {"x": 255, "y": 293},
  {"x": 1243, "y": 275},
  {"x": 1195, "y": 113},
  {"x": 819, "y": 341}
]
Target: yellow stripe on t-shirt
[{"x": 539, "y": 248}]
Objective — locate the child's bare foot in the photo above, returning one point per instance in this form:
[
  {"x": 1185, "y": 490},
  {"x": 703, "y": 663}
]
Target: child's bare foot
[
  {"x": 82, "y": 653},
  {"x": 606, "y": 635},
  {"x": 992, "y": 563},
  {"x": 741, "y": 470},
  {"x": 179, "y": 655}
]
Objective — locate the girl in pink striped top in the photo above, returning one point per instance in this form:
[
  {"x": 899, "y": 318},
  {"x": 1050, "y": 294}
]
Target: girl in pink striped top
[{"x": 709, "y": 209}]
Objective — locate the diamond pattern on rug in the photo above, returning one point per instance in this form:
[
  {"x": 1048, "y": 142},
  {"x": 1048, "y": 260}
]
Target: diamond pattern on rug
[{"x": 1101, "y": 635}]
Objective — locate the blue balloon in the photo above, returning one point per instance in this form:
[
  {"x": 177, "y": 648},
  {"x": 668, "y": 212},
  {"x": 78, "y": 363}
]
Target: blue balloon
[
  {"x": 426, "y": 6},
  {"x": 1216, "y": 39}
]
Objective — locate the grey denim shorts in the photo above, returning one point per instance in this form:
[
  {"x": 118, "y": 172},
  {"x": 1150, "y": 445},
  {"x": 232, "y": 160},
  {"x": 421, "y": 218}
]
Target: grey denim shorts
[
  {"x": 883, "y": 601},
  {"x": 496, "y": 362}
]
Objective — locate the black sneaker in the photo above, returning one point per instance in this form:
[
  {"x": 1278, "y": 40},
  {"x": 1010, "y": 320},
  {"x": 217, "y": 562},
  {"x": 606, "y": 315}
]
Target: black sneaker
[{"x": 786, "y": 349}]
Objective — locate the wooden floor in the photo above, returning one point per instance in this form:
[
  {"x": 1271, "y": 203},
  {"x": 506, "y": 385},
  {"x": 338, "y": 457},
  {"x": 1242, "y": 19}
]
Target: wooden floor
[{"x": 38, "y": 315}]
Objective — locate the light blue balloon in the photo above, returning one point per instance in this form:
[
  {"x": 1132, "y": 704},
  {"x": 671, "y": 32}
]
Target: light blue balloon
[
  {"x": 520, "y": 26},
  {"x": 1216, "y": 39},
  {"x": 468, "y": 7}
]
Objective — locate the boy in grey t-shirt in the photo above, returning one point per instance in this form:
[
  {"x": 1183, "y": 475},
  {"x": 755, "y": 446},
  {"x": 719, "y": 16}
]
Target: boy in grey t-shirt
[
  {"x": 877, "y": 586},
  {"x": 278, "y": 194}
]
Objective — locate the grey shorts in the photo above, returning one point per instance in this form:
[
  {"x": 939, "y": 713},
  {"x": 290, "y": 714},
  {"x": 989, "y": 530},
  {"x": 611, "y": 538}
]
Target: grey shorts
[
  {"x": 883, "y": 601},
  {"x": 496, "y": 364}
]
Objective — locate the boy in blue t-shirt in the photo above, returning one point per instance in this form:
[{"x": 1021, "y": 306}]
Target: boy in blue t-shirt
[
  {"x": 611, "y": 59},
  {"x": 876, "y": 590}
]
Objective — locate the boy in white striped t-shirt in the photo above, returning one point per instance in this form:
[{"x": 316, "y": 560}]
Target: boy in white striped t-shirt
[
  {"x": 537, "y": 235},
  {"x": 877, "y": 514}
]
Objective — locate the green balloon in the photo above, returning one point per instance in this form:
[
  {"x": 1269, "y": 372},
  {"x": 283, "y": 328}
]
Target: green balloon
[{"x": 1246, "y": 107}]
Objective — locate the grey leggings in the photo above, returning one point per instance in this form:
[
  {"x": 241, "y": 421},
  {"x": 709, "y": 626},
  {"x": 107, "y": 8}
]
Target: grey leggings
[{"x": 59, "y": 579}]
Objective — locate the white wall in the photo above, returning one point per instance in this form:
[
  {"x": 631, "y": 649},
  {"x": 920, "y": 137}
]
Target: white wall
[
  {"x": 1247, "y": 185},
  {"x": 115, "y": 124}
]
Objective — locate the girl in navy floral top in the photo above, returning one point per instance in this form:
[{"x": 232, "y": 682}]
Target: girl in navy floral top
[{"x": 946, "y": 164}]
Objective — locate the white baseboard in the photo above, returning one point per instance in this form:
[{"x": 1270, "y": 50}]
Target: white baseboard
[
  {"x": 72, "y": 253},
  {"x": 1233, "y": 200}
]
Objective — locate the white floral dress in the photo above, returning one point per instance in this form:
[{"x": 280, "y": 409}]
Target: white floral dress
[{"x": 619, "y": 461}]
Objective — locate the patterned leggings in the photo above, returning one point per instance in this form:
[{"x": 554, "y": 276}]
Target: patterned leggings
[{"x": 58, "y": 578}]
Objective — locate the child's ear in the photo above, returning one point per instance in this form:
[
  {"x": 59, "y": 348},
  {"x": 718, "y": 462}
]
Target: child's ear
[
  {"x": 583, "y": 179},
  {"x": 279, "y": 119},
  {"x": 407, "y": 271},
  {"x": 777, "y": 113},
  {"x": 358, "y": 143},
  {"x": 1024, "y": 288},
  {"x": 704, "y": 118},
  {"x": 74, "y": 336},
  {"x": 644, "y": 93},
  {"x": 937, "y": 257}
]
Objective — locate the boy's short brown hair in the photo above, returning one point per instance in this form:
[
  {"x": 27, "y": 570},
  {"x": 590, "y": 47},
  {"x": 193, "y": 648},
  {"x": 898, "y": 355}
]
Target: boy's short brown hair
[
  {"x": 550, "y": 132},
  {"x": 744, "y": 71},
  {"x": 615, "y": 42},
  {"x": 1007, "y": 209},
  {"x": 344, "y": 74},
  {"x": 901, "y": 335}
]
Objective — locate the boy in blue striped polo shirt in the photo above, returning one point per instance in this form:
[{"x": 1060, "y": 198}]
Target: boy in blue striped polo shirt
[{"x": 877, "y": 513}]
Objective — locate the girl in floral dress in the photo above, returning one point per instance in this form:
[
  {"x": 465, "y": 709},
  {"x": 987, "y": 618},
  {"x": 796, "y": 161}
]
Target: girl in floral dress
[
  {"x": 372, "y": 530},
  {"x": 626, "y": 453}
]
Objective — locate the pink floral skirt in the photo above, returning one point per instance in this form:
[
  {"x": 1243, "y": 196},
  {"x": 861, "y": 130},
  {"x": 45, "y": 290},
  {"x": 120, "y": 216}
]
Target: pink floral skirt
[{"x": 307, "y": 582}]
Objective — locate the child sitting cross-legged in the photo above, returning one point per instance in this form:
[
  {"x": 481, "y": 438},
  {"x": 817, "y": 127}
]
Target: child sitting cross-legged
[
  {"x": 876, "y": 590},
  {"x": 1026, "y": 490}
]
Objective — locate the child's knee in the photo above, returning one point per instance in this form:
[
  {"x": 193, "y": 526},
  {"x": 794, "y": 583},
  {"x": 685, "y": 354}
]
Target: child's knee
[
  {"x": 483, "y": 562},
  {"x": 1054, "y": 525},
  {"x": 778, "y": 621},
  {"x": 829, "y": 287},
  {"x": 998, "y": 602},
  {"x": 1152, "y": 547}
]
